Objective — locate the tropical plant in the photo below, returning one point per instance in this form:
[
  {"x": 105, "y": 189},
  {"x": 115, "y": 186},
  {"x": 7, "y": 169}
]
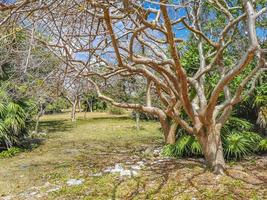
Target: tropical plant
[
  {"x": 56, "y": 105},
  {"x": 10, "y": 152},
  {"x": 237, "y": 138},
  {"x": 263, "y": 145},
  {"x": 13, "y": 119}
]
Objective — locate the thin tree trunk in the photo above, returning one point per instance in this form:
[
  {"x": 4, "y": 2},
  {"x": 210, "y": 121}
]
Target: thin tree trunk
[
  {"x": 137, "y": 117},
  {"x": 148, "y": 93},
  {"x": 73, "y": 111},
  {"x": 211, "y": 143},
  {"x": 90, "y": 104},
  {"x": 40, "y": 113},
  {"x": 85, "y": 111}
]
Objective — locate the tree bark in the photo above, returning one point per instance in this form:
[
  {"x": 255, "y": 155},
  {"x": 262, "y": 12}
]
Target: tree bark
[
  {"x": 148, "y": 93},
  {"x": 137, "y": 117},
  {"x": 73, "y": 111},
  {"x": 91, "y": 106},
  {"x": 210, "y": 140},
  {"x": 169, "y": 130}
]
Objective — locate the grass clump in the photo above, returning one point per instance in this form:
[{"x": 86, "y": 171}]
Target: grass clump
[
  {"x": 237, "y": 138},
  {"x": 10, "y": 152}
]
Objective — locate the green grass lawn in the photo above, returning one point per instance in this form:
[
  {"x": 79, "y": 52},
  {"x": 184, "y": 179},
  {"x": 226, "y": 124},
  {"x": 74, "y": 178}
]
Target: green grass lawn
[{"x": 83, "y": 150}]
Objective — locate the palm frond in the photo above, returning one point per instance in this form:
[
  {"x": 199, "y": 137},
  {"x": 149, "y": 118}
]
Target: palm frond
[{"x": 263, "y": 145}]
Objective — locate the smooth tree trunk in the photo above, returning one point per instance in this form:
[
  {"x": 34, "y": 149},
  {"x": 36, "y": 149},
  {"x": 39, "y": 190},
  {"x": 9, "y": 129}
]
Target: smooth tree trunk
[
  {"x": 148, "y": 94},
  {"x": 169, "y": 129},
  {"x": 73, "y": 111},
  {"x": 137, "y": 118},
  {"x": 210, "y": 140},
  {"x": 90, "y": 106}
]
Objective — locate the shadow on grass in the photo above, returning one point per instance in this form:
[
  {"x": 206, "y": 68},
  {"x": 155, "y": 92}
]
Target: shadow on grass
[
  {"x": 31, "y": 143},
  {"x": 104, "y": 118},
  {"x": 55, "y": 125},
  {"x": 63, "y": 125},
  {"x": 162, "y": 173}
]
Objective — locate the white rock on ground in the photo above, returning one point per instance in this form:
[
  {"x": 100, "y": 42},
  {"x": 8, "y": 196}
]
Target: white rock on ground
[
  {"x": 71, "y": 182},
  {"x": 53, "y": 189},
  {"x": 119, "y": 169},
  {"x": 136, "y": 167},
  {"x": 96, "y": 174}
]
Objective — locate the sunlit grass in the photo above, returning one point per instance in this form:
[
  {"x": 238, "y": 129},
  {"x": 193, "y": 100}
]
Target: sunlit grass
[{"x": 76, "y": 150}]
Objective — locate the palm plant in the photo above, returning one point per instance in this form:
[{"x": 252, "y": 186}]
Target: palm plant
[
  {"x": 238, "y": 141},
  {"x": 186, "y": 145},
  {"x": 12, "y": 120},
  {"x": 263, "y": 145}
]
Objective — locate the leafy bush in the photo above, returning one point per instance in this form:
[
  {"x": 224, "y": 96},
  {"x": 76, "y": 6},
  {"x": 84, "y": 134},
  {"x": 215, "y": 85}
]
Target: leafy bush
[
  {"x": 116, "y": 110},
  {"x": 56, "y": 106},
  {"x": 237, "y": 140},
  {"x": 262, "y": 145},
  {"x": 238, "y": 145},
  {"x": 14, "y": 120},
  {"x": 10, "y": 152},
  {"x": 186, "y": 145}
]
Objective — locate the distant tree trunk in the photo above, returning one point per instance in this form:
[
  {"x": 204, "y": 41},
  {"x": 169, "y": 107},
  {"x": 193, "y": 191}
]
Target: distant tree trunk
[
  {"x": 90, "y": 105},
  {"x": 40, "y": 113},
  {"x": 73, "y": 111},
  {"x": 79, "y": 105},
  {"x": 85, "y": 110},
  {"x": 169, "y": 130},
  {"x": 148, "y": 93},
  {"x": 210, "y": 140},
  {"x": 137, "y": 117}
]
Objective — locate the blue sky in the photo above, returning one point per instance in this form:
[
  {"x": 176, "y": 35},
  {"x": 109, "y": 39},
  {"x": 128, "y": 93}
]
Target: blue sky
[{"x": 173, "y": 14}]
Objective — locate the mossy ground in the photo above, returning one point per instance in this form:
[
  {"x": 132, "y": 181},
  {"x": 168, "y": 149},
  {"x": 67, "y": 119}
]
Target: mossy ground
[{"x": 86, "y": 147}]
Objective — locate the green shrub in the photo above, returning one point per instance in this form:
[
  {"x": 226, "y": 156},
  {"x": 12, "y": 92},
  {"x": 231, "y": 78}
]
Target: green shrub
[
  {"x": 14, "y": 120},
  {"x": 237, "y": 145},
  {"x": 238, "y": 142},
  {"x": 10, "y": 152},
  {"x": 262, "y": 145},
  {"x": 116, "y": 110},
  {"x": 56, "y": 106},
  {"x": 186, "y": 145}
]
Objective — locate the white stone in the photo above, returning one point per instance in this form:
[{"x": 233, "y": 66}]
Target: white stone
[
  {"x": 141, "y": 163},
  {"x": 71, "y": 182},
  {"x": 123, "y": 172},
  {"x": 53, "y": 189},
  {"x": 96, "y": 174},
  {"x": 136, "y": 167}
]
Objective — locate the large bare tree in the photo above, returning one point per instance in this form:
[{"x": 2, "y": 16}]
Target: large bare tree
[{"x": 100, "y": 40}]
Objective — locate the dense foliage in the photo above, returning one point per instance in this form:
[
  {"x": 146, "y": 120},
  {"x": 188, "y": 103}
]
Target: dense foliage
[
  {"x": 15, "y": 115},
  {"x": 237, "y": 136}
]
